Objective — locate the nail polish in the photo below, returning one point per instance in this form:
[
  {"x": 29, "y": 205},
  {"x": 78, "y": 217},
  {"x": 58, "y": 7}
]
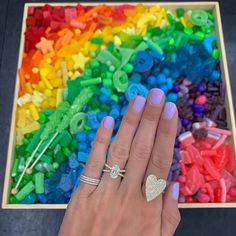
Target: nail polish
[
  {"x": 169, "y": 110},
  {"x": 156, "y": 96},
  {"x": 175, "y": 191},
  {"x": 108, "y": 122},
  {"x": 139, "y": 103}
]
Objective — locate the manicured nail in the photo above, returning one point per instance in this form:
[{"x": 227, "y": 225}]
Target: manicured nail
[
  {"x": 108, "y": 122},
  {"x": 156, "y": 96},
  {"x": 139, "y": 103},
  {"x": 175, "y": 191},
  {"x": 169, "y": 110}
]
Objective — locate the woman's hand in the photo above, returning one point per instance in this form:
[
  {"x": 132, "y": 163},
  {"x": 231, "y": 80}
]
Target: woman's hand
[{"x": 118, "y": 207}]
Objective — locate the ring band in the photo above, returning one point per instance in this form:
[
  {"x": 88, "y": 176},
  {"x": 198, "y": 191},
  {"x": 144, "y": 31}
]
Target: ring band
[
  {"x": 89, "y": 180},
  {"x": 114, "y": 171}
]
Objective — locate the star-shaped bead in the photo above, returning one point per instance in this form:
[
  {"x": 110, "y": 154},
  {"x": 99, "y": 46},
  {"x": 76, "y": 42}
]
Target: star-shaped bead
[
  {"x": 80, "y": 61},
  {"x": 45, "y": 45}
]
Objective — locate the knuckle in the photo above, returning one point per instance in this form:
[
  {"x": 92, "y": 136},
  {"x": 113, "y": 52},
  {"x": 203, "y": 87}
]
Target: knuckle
[
  {"x": 129, "y": 120},
  {"x": 100, "y": 139},
  {"x": 141, "y": 150},
  {"x": 118, "y": 152},
  {"x": 161, "y": 162},
  {"x": 150, "y": 116}
]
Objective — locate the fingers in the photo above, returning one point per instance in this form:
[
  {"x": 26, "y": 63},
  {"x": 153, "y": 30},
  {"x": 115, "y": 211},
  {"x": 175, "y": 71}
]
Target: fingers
[
  {"x": 120, "y": 148},
  {"x": 97, "y": 155},
  {"x": 162, "y": 153},
  {"x": 144, "y": 139},
  {"x": 170, "y": 213}
]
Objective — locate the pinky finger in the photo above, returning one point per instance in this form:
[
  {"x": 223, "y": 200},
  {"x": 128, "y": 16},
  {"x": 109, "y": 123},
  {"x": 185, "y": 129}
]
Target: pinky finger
[
  {"x": 170, "y": 213},
  {"x": 97, "y": 157}
]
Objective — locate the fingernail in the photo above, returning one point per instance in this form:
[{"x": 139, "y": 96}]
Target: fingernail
[
  {"x": 108, "y": 122},
  {"x": 175, "y": 191},
  {"x": 139, "y": 103},
  {"x": 156, "y": 96},
  {"x": 169, "y": 110}
]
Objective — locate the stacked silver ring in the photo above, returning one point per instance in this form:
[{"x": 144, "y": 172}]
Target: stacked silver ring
[{"x": 89, "y": 180}]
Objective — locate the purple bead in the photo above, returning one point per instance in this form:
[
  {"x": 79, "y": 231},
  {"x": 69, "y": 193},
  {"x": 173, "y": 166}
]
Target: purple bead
[
  {"x": 179, "y": 127},
  {"x": 175, "y": 166},
  {"x": 198, "y": 108},
  {"x": 176, "y": 88},
  {"x": 201, "y": 87},
  {"x": 185, "y": 122},
  {"x": 169, "y": 178}
]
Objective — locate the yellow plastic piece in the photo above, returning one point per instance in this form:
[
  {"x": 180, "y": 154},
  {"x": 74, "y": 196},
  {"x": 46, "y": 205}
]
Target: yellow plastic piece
[
  {"x": 48, "y": 92},
  {"x": 59, "y": 96},
  {"x": 182, "y": 20},
  {"x": 44, "y": 71},
  {"x": 35, "y": 70},
  {"x": 47, "y": 83},
  {"x": 34, "y": 111},
  {"x": 29, "y": 87},
  {"x": 21, "y": 122},
  {"x": 31, "y": 127},
  {"x": 146, "y": 19},
  {"x": 117, "y": 41}
]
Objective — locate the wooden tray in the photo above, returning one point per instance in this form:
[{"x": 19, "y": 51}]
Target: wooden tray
[{"x": 225, "y": 76}]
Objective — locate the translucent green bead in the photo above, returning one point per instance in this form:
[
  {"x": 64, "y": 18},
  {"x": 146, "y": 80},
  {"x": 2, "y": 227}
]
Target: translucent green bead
[
  {"x": 180, "y": 12},
  {"x": 128, "y": 68},
  {"x": 42, "y": 118}
]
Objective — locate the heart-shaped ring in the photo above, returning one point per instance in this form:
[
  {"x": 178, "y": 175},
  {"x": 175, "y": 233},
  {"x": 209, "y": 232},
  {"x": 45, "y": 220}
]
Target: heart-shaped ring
[{"x": 154, "y": 187}]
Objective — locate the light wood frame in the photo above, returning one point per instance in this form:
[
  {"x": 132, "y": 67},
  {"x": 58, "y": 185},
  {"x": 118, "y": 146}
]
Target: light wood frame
[{"x": 225, "y": 76}]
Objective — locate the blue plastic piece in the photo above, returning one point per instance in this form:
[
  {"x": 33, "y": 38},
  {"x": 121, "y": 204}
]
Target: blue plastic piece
[
  {"x": 103, "y": 98},
  {"x": 82, "y": 146},
  {"x": 215, "y": 75},
  {"x": 91, "y": 135},
  {"x": 114, "y": 113},
  {"x": 42, "y": 198},
  {"x": 166, "y": 71},
  {"x": 29, "y": 199},
  {"x": 172, "y": 97},
  {"x": 169, "y": 83},
  {"x": 101, "y": 115},
  {"x": 143, "y": 61},
  {"x": 66, "y": 183},
  {"x": 158, "y": 56},
  {"x": 164, "y": 88},
  {"x": 105, "y": 92},
  {"x": 123, "y": 110},
  {"x": 82, "y": 156},
  {"x": 161, "y": 79},
  {"x": 92, "y": 120},
  {"x": 73, "y": 162},
  {"x": 135, "y": 78},
  {"x": 208, "y": 41},
  {"x": 155, "y": 70},
  {"x": 81, "y": 137},
  {"x": 151, "y": 80}
]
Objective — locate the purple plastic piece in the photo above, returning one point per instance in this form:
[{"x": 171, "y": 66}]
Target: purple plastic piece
[
  {"x": 217, "y": 111},
  {"x": 198, "y": 108}
]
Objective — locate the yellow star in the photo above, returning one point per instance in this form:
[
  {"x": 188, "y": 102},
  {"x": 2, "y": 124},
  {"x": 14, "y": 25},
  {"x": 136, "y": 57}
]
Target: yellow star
[
  {"x": 80, "y": 61},
  {"x": 45, "y": 45}
]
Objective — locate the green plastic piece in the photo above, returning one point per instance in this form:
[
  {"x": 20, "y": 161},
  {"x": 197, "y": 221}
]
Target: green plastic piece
[
  {"x": 105, "y": 55},
  {"x": 60, "y": 157},
  {"x": 66, "y": 138},
  {"x": 55, "y": 120},
  {"x": 115, "y": 98},
  {"x": 199, "y": 17},
  {"x": 98, "y": 41},
  {"x": 44, "y": 143},
  {"x": 153, "y": 46},
  {"x": 48, "y": 112},
  {"x": 110, "y": 46},
  {"x": 39, "y": 183},
  {"x": 93, "y": 103},
  {"x": 21, "y": 165},
  {"x": 157, "y": 31},
  {"x": 42, "y": 118},
  {"x": 45, "y": 158},
  {"x": 73, "y": 145},
  {"x": 13, "y": 200},
  {"x": 87, "y": 128},
  {"x": 180, "y": 12},
  {"x": 26, "y": 141},
  {"x": 66, "y": 151},
  {"x": 107, "y": 83},
  {"x": 35, "y": 140},
  {"x": 73, "y": 88},
  {"x": 126, "y": 54},
  {"x": 56, "y": 141},
  {"x": 128, "y": 68},
  {"x": 188, "y": 30},
  {"x": 81, "y": 100},
  {"x": 89, "y": 82},
  {"x": 105, "y": 107},
  {"x": 200, "y": 35},
  {"x": 27, "y": 189},
  {"x": 120, "y": 81},
  {"x": 55, "y": 165},
  {"x": 216, "y": 53},
  {"x": 77, "y": 123},
  {"x": 96, "y": 72},
  {"x": 15, "y": 167},
  {"x": 28, "y": 177},
  {"x": 141, "y": 47},
  {"x": 40, "y": 167}
]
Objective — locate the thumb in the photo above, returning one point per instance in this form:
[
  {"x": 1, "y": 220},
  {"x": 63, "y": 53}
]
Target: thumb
[{"x": 170, "y": 217}]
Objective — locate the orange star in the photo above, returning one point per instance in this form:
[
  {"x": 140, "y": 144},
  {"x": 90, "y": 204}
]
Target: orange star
[{"x": 45, "y": 45}]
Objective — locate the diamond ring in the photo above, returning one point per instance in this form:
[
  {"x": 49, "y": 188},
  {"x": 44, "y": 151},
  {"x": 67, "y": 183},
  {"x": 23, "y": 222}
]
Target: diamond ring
[{"x": 114, "y": 171}]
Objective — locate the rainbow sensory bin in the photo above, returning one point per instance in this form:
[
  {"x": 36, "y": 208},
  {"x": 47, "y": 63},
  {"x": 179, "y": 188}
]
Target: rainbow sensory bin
[{"x": 82, "y": 63}]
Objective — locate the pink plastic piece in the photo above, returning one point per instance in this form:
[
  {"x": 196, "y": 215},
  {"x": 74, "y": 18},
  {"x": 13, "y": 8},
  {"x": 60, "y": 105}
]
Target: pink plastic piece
[
  {"x": 223, "y": 190},
  {"x": 201, "y": 100}
]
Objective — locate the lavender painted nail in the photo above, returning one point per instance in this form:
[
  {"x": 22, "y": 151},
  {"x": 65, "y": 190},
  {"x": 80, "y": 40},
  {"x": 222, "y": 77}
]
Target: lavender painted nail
[
  {"x": 175, "y": 191},
  {"x": 156, "y": 96},
  {"x": 139, "y": 103},
  {"x": 108, "y": 122},
  {"x": 169, "y": 110}
]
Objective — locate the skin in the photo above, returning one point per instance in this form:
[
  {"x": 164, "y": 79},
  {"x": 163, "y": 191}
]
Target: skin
[{"x": 118, "y": 207}]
